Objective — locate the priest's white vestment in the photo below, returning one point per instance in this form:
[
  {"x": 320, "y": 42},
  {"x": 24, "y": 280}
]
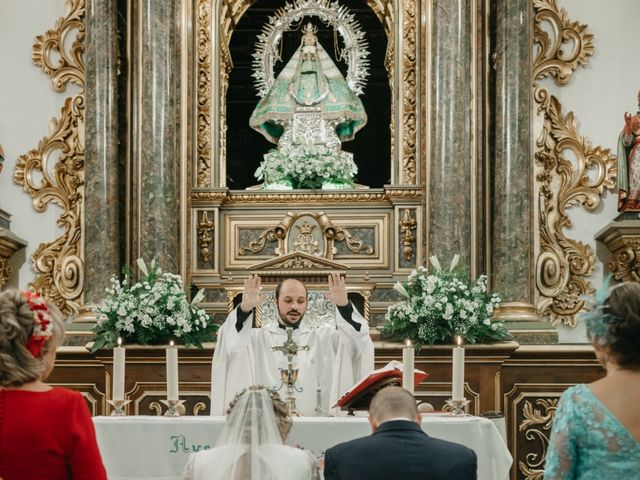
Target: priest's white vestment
[{"x": 338, "y": 356}]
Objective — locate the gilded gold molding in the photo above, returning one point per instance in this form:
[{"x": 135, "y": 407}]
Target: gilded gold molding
[
  {"x": 536, "y": 422},
  {"x": 205, "y": 228},
  {"x": 569, "y": 46},
  {"x": 309, "y": 196},
  {"x": 203, "y": 167},
  {"x": 51, "y": 178},
  {"x": 407, "y": 225},
  {"x": 563, "y": 264},
  {"x": 409, "y": 92},
  {"x": 329, "y": 233}
]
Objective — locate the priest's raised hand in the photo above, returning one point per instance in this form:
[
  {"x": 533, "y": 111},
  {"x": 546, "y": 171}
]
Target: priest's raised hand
[
  {"x": 252, "y": 294},
  {"x": 337, "y": 355}
]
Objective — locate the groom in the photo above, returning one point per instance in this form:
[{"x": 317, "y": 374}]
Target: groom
[{"x": 398, "y": 448}]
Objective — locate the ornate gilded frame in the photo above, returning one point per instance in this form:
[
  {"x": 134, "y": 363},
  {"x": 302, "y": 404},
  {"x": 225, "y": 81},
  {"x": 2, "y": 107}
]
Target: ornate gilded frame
[
  {"x": 59, "y": 264},
  {"x": 215, "y": 21},
  {"x": 563, "y": 264}
]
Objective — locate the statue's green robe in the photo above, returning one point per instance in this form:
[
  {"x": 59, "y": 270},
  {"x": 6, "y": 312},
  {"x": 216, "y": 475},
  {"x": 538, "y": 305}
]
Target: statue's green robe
[{"x": 309, "y": 81}]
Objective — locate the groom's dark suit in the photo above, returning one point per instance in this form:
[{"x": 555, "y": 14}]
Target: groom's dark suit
[{"x": 399, "y": 450}]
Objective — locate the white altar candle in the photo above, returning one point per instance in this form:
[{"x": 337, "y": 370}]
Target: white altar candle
[
  {"x": 118, "y": 372},
  {"x": 408, "y": 361},
  {"x": 458, "y": 371},
  {"x": 172, "y": 372}
]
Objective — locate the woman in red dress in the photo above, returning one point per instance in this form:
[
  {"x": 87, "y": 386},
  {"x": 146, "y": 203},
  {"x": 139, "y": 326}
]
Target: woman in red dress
[{"x": 45, "y": 432}]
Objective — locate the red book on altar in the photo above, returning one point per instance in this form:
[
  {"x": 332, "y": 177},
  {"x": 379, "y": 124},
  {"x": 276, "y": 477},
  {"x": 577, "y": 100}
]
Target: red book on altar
[{"x": 381, "y": 377}]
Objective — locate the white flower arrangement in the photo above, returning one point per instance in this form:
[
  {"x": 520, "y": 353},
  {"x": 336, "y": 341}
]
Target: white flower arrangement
[
  {"x": 440, "y": 305},
  {"x": 307, "y": 166},
  {"x": 152, "y": 310}
]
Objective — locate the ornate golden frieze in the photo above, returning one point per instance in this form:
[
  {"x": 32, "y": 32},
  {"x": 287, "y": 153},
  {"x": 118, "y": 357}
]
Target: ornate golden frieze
[
  {"x": 535, "y": 425},
  {"x": 306, "y": 242},
  {"x": 9, "y": 245},
  {"x": 311, "y": 196},
  {"x": 409, "y": 92},
  {"x": 203, "y": 109},
  {"x": 54, "y": 171},
  {"x": 563, "y": 264}
]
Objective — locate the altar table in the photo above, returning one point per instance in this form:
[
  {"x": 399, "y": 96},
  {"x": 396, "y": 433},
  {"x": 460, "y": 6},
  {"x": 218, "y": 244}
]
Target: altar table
[{"x": 145, "y": 447}]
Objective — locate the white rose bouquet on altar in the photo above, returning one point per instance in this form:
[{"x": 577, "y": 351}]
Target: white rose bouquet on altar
[
  {"x": 153, "y": 310},
  {"x": 307, "y": 166},
  {"x": 440, "y": 305}
]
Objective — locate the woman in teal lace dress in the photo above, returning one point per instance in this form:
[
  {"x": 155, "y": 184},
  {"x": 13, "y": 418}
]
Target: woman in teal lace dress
[{"x": 596, "y": 430}]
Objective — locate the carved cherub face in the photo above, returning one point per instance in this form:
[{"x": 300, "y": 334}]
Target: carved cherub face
[{"x": 292, "y": 302}]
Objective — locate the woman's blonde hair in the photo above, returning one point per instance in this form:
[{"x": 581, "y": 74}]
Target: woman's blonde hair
[{"x": 17, "y": 365}]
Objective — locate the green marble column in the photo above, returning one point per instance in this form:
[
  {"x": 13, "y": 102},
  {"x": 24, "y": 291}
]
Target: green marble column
[
  {"x": 450, "y": 161},
  {"x": 101, "y": 199},
  {"x": 156, "y": 103},
  {"x": 512, "y": 265}
]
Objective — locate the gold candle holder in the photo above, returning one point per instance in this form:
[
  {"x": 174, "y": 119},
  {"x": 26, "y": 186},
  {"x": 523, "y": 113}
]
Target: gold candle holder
[
  {"x": 118, "y": 407},
  {"x": 457, "y": 407},
  {"x": 175, "y": 408}
]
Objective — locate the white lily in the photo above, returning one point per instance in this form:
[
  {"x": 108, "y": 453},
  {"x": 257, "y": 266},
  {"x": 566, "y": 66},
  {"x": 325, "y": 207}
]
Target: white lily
[
  {"x": 142, "y": 266},
  {"x": 436, "y": 264},
  {"x": 398, "y": 287},
  {"x": 198, "y": 298},
  {"x": 454, "y": 262}
]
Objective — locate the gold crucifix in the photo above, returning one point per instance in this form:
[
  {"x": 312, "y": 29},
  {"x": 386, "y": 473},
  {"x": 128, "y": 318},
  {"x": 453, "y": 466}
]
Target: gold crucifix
[{"x": 290, "y": 375}]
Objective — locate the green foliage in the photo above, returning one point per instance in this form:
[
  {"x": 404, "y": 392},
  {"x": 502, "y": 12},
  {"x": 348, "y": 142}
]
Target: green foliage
[
  {"x": 153, "y": 310},
  {"x": 441, "y": 305}
]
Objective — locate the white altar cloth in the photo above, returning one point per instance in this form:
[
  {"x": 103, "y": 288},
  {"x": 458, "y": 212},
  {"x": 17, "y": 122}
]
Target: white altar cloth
[{"x": 145, "y": 447}]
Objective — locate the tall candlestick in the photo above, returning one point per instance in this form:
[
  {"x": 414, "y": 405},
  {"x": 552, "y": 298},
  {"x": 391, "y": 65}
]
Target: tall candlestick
[
  {"x": 408, "y": 361},
  {"x": 458, "y": 371},
  {"x": 172, "y": 372},
  {"x": 118, "y": 372}
]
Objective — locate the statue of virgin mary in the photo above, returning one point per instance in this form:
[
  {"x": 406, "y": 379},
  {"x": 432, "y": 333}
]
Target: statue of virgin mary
[{"x": 310, "y": 102}]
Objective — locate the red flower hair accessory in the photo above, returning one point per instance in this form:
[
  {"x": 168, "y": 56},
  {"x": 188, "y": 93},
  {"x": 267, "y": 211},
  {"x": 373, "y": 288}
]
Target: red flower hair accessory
[{"x": 42, "y": 323}]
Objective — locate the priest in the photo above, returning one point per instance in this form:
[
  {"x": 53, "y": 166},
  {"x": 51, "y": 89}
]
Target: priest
[{"x": 336, "y": 358}]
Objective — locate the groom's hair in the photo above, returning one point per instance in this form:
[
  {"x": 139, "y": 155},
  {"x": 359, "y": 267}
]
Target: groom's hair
[
  {"x": 284, "y": 280},
  {"x": 393, "y": 402}
]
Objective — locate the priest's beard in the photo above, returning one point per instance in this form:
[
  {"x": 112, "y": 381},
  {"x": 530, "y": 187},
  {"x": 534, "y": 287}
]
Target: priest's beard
[{"x": 293, "y": 322}]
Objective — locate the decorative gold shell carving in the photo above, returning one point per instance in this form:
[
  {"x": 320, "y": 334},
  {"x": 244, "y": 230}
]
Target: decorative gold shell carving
[
  {"x": 563, "y": 264},
  {"x": 535, "y": 425},
  {"x": 54, "y": 171},
  {"x": 205, "y": 228}
]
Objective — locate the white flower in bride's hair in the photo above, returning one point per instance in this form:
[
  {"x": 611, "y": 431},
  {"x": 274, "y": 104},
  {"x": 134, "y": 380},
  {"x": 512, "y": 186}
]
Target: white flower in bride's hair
[
  {"x": 436, "y": 264},
  {"x": 142, "y": 266},
  {"x": 398, "y": 287}
]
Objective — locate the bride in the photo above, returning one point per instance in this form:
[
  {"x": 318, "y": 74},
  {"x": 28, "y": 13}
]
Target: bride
[{"x": 251, "y": 446}]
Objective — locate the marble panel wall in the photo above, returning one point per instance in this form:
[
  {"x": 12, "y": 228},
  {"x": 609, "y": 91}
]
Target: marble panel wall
[
  {"x": 101, "y": 202},
  {"x": 450, "y": 166}
]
